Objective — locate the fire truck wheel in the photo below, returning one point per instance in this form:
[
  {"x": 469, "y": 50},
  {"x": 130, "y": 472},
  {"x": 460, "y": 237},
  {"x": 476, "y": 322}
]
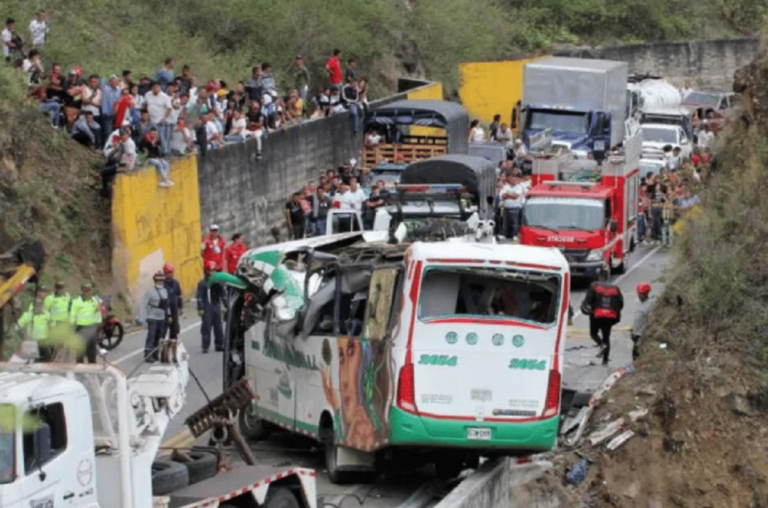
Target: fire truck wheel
[
  {"x": 281, "y": 497},
  {"x": 624, "y": 266},
  {"x": 168, "y": 476}
]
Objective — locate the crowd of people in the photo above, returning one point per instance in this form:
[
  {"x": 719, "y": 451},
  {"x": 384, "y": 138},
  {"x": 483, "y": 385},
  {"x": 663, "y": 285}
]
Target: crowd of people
[{"x": 145, "y": 121}]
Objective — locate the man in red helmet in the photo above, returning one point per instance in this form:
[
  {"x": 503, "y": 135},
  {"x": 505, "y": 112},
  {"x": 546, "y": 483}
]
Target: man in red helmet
[
  {"x": 175, "y": 301},
  {"x": 641, "y": 316},
  {"x": 213, "y": 247},
  {"x": 209, "y": 301},
  {"x": 603, "y": 304}
]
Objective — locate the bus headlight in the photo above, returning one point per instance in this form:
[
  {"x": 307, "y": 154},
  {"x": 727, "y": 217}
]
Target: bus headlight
[{"x": 595, "y": 255}]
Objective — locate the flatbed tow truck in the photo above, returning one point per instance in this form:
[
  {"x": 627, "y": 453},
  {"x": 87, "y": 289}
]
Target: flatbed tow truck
[{"x": 87, "y": 436}]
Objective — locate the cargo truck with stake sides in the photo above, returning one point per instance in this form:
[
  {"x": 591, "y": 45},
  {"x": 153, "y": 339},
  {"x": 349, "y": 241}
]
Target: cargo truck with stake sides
[{"x": 583, "y": 101}]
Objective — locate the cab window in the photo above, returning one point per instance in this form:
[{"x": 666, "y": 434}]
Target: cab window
[{"x": 46, "y": 436}]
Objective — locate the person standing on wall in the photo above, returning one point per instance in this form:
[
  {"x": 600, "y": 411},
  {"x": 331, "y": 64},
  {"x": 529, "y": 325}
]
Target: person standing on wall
[
  {"x": 213, "y": 247},
  {"x": 154, "y": 312},
  {"x": 209, "y": 301},
  {"x": 175, "y": 301},
  {"x": 234, "y": 252},
  {"x": 603, "y": 304},
  {"x": 86, "y": 317}
]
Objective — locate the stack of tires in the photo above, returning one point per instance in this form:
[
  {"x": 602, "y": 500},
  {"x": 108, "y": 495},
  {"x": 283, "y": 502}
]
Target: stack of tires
[{"x": 179, "y": 471}]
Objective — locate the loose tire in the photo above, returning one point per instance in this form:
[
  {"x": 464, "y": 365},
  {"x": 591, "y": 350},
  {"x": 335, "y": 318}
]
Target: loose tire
[
  {"x": 168, "y": 476},
  {"x": 251, "y": 426},
  {"x": 281, "y": 497},
  {"x": 203, "y": 465}
]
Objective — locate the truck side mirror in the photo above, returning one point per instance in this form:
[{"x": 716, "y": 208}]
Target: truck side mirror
[{"x": 614, "y": 226}]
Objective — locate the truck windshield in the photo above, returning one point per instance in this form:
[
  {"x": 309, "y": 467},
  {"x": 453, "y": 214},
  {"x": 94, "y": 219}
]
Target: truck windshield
[
  {"x": 489, "y": 292},
  {"x": 564, "y": 213},
  {"x": 386, "y": 176},
  {"x": 7, "y": 443},
  {"x": 560, "y": 121},
  {"x": 702, "y": 99},
  {"x": 656, "y": 135}
]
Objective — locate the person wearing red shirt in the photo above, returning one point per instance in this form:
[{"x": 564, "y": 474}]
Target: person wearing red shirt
[
  {"x": 236, "y": 249},
  {"x": 122, "y": 106},
  {"x": 213, "y": 248},
  {"x": 333, "y": 68}
]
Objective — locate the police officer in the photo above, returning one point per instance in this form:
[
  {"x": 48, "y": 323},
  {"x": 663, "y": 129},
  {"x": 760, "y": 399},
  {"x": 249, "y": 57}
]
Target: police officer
[
  {"x": 35, "y": 324},
  {"x": 154, "y": 312},
  {"x": 641, "y": 317},
  {"x": 58, "y": 304},
  {"x": 175, "y": 301},
  {"x": 603, "y": 304},
  {"x": 210, "y": 309},
  {"x": 85, "y": 315}
]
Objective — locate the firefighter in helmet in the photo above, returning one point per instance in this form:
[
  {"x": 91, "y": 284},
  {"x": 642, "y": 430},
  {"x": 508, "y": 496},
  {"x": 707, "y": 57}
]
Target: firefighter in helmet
[
  {"x": 603, "y": 304},
  {"x": 641, "y": 317}
]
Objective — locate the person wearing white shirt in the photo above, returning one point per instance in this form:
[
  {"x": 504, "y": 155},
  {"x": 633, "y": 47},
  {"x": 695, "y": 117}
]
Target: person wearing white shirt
[
  {"x": 356, "y": 196},
  {"x": 160, "y": 113},
  {"x": 512, "y": 196},
  {"x": 237, "y": 130},
  {"x": 9, "y": 39},
  {"x": 38, "y": 28},
  {"x": 33, "y": 67},
  {"x": 212, "y": 132},
  {"x": 706, "y": 136},
  {"x": 476, "y": 132}
]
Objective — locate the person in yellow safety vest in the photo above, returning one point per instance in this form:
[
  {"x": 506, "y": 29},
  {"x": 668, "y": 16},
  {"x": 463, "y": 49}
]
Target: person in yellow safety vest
[
  {"x": 58, "y": 304},
  {"x": 86, "y": 317},
  {"x": 35, "y": 324}
]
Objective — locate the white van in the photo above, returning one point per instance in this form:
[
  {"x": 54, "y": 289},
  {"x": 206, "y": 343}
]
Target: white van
[{"x": 449, "y": 350}]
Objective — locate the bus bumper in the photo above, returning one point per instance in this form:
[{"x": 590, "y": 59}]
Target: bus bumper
[{"x": 412, "y": 430}]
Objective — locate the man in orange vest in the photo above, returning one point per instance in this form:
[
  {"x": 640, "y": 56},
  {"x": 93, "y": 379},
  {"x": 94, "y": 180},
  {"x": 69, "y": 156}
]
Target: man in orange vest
[{"x": 603, "y": 304}]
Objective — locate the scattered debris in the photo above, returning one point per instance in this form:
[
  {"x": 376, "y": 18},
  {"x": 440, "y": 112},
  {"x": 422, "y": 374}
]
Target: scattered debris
[
  {"x": 738, "y": 404},
  {"x": 620, "y": 439},
  {"x": 606, "y": 432},
  {"x": 638, "y": 414},
  {"x": 663, "y": 346},
  {"x": 647, "y": 390},
  {"x": 578, "y": 473}
]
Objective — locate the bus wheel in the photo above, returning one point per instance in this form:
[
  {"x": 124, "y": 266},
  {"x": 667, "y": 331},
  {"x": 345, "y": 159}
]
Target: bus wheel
[
  {"x": 448, "y": 468},
  {"x": 251, "y": 426},
  {"x": 331, "y": 450}
]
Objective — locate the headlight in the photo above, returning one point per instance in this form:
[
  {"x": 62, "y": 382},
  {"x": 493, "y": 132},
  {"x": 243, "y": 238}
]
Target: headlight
[{"x": 595, "y": 255}]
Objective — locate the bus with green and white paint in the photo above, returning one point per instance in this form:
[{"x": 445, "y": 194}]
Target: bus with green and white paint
[{"x": 445, "y": 351}]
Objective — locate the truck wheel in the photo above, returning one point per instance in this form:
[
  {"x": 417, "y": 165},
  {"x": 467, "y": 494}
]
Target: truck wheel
[
  {"x": 624, "y": 266},
  {"x": 337, "y": 477},
  {"x": 203, "y": 465},
  {"x": 251, "y": 426},
  {"x": 168, "y": 476},
  {"x": 281, "y": 497}
]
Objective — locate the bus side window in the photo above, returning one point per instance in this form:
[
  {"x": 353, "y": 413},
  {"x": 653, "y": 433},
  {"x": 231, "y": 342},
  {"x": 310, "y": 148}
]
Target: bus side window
[{"x": 381, "y": 294}]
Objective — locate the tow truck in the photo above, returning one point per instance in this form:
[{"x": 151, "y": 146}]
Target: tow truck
[
  {"x": 592, "y": 223},
  {"x": 87, "y": 436},
  {"x": 18, "y": 266}
]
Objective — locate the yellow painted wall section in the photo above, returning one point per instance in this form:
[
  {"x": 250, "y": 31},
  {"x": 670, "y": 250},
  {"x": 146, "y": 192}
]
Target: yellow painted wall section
[
  {"x": 490, "y": 88},
  {"x": 152, "y": 226},
  {"x": 433, "y": 91}
]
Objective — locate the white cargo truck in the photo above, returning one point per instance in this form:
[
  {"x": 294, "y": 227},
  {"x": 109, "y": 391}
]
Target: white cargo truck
[{"x": 583, "y": 101}]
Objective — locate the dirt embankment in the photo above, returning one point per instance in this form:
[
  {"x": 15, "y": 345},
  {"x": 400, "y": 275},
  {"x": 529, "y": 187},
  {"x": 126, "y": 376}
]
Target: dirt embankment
[
  {"x": 704, "y": 440},
  {"x": 48, "y": 191}
]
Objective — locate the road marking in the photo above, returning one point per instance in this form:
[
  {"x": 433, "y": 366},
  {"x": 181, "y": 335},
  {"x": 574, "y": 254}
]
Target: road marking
[
  {"x": 141, "y": 350},
  {"x": 645, "y": 258}
]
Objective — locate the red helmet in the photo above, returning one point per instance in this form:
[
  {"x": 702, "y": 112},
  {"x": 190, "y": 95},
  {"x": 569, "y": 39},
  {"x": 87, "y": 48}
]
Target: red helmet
[
  {"x": 210, "y": 265},
  {"x": 643, "y": 288},
  {"x": 167, "y": 268}
]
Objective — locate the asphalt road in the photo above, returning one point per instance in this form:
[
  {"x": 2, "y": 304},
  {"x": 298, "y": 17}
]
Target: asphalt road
[{"x": 582, "y": 372}]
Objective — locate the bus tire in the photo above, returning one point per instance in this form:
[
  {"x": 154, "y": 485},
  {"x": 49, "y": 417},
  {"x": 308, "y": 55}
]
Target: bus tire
[
  {"x": 281, "y": 497},
  {"x": 331, "y": 449},
  {"x": 448, "y": 468},
  {"x": 251, "y": 426}
]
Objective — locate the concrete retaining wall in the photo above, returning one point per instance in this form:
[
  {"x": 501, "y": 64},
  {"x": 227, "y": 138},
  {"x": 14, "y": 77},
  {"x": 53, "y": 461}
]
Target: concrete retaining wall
[{"x": 700, "y": 62}]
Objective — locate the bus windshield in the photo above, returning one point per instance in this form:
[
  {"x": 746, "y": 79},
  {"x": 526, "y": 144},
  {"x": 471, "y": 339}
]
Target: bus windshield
[
  {"x": 496, "y": 292},
  {"x": 564, "y": 213},
  {"x": 7, "y": 443}
]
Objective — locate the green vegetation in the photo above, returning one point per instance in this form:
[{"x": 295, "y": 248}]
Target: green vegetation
[{"x": 223, "y": 39}]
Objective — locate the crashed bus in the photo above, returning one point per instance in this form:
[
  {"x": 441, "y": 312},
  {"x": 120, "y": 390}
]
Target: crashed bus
[{"x": 381, "y": 350}]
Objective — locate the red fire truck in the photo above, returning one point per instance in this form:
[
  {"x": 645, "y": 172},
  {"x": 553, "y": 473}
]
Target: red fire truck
[{"x": 592, "y": 222}]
